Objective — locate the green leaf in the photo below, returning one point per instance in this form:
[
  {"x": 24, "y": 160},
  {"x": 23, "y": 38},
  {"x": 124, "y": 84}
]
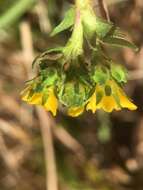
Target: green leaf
[
  {"x": 119, "y": 42},
  {"x": 67, "y": 22},
  {"x": 119, "y": 73},
  {"x": 103, "y": 27}
]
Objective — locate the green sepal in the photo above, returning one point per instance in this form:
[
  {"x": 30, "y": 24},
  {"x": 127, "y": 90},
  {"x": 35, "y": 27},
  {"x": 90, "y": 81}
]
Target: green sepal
[
  {"x": 49, "y": 76},
  {"x": 99, "y": 96},
  {"x": 67, "y": 22},
  {"x": 31, "y": 93},
  {"x": 73, "y": 94},
  {"x": 38, "y": 88},
  {"x": 115, "y": 95},
  {"x": 119, "y": 73},
  {"x": 52, "y": 54},
  {"x": 108, "y": 90},
  {"x": 100, "y": 75},
  {"x": 45, "y": 96},
  {"x": 119, "y": 42}
]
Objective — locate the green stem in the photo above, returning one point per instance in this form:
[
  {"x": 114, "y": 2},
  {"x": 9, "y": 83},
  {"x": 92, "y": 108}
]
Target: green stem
[{"x": 15, "y": 12}]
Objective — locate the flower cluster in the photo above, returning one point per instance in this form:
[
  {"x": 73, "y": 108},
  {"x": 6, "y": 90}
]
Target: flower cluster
[{"x": 80, "y": 76}]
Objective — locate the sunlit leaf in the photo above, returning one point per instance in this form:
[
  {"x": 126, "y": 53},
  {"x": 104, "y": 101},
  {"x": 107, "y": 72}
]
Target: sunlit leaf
[
  {"x": 67, "y": 22},
  {"x": 103, "y": 27},
  {"x": 119, "y": 73}
]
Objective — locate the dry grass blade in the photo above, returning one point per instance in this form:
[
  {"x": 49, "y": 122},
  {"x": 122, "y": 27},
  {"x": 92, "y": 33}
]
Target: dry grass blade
[
  {"x": 70, "y": 142},
  {"x": 104, "y": 9},
  {"x": 14, "y": 131},
  {"x": 45, "y": 122}
]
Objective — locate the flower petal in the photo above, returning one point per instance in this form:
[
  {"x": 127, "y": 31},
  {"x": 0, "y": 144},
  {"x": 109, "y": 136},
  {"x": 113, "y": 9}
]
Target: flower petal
[
  {"x": 76, "y": 111},
  {"x": 36, "y": 99},
  {"x": 124, "y": 101},
  {"x": 92, "y": 103},
  {"x": 108, "y": 104},
  {"x": 52, "y": 103}
]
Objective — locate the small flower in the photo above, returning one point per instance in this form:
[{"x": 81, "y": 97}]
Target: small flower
[
  {"x": 51, "y": 102},
  {"x": 110, "y": 96},
  {"x": 108, "y": 104},
  {"x": 75, "y": 111},
  {"x": 124, "y": 101},
  {"x": 31, "y": 98}
]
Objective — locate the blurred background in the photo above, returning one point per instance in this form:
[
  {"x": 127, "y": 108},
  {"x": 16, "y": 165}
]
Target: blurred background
[{"x": 92, "y": 152}]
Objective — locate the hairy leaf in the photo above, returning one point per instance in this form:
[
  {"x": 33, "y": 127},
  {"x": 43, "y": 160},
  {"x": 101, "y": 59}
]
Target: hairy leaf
[
  {"x": 67, "y": 22},
  {"x": 120, "y": 42},
  {"x": 103, "y": 27}
]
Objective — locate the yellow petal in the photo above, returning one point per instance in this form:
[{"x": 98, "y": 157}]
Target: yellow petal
[
  {"x": 92, "y": 103},
  {"x": 124, "y": 101},
  {"x": 108, "y": 104},
  {"x": 51, "y": 103},
  {"x": 76, "y": 111},
  {"x": 35, "y": 99}
]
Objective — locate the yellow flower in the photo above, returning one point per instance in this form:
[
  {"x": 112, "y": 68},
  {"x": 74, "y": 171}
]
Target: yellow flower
[
  {"x": 75, "y": 111},
  {"x": 124, "y": 101},
  {"x": 108, "y": 104},
  {"x": 51, "y": 103},
  {"x": 36, "y": 98},
  {"x": 114, "y": 99}
]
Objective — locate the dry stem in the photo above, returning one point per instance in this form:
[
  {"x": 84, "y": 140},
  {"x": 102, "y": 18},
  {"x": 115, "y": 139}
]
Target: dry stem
[{"x": 27, "y": 46}]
